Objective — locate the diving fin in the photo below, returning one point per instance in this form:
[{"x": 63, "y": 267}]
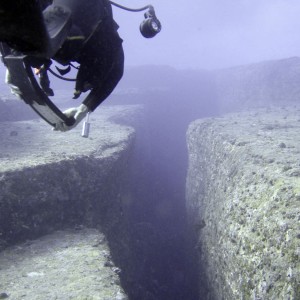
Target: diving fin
[{"x": 29, "y": 90}]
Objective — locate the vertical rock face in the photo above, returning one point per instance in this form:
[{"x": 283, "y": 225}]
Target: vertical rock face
[
  {"x": 243, "y": 199},
  {"x": 51, "y": 181}
]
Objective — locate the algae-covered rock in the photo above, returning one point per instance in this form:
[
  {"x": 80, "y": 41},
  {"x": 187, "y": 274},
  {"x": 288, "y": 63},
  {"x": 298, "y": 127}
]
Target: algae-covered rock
[
  {"x": 243, "y": 198},
  {"x": 72, "y": 264}
]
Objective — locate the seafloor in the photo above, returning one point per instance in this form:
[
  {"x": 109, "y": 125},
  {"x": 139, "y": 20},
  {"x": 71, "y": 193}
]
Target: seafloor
[{"x": 73, "y": 264}]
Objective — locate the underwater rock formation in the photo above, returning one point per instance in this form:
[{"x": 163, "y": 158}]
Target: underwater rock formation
[
  {"x": 69, "y": 264},
  {"x": 243, "y": 200},
  {"x": 53, "y": 181},
  {"x": 274, "y": 82}
]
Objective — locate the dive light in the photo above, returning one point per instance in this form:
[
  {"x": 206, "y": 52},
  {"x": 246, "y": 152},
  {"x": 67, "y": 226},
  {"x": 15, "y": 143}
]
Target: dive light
[
  {"x": 151, "y": 25},
  {"x": 86, "y": 127}
]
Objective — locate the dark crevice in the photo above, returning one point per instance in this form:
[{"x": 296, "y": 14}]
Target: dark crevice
[
  {"x": 163, "y": 258},
  {"x": 157, "y": 229}
]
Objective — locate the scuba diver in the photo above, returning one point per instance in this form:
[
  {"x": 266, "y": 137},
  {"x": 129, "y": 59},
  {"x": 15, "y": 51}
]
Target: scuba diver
[
  {"x": 95, "y": 44},
  {"x": 75, "y": 31}
]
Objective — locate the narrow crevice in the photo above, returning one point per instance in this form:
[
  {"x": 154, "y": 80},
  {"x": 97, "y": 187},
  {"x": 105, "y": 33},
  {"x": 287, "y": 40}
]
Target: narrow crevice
[{"x": 162, "y": 258}]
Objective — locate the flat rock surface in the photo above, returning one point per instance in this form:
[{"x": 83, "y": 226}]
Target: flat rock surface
[
  {"x": 71, "y": 264},
  {"x": 32, "y": 143}
]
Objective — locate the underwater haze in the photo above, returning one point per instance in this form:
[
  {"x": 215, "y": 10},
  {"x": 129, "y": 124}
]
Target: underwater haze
[
  {"x": 188, "y": 185},
  {"x": 213, "y": 34}
]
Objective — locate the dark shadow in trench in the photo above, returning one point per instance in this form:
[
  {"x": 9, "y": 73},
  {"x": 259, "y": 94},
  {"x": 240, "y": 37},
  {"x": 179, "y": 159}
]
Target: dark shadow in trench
[{"x": 163, "y": 259}]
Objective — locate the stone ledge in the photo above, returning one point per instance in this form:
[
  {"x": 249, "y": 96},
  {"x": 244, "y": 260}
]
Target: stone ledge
[
  {"x": 27, "y": 144},
  {"x": 49, "y": 180},
  {"x": 243, "y": 198}
]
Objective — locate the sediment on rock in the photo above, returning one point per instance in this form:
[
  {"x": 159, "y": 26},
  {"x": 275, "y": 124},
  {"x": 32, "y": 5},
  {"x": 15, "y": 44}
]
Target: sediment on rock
[
  {"x": 69, "y": 264},
  {"x": 52, "y": 181},
  {"x": 243, "y": 202}
]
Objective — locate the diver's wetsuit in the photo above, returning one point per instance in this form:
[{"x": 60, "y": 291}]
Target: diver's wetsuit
[
  {"x": 99, "y": 53},
  {"x": 44, "y": 3}
]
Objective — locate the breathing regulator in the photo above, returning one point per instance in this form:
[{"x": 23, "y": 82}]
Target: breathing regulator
[{"x": 150, "y": 26}]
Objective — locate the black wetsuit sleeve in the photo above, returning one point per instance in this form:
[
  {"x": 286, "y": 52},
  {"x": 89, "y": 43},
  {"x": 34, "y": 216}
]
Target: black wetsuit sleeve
[
  {"x": 107, "y": 57},
  {"x": 101, "y": 56},
  {"x": 105, "y": 88},
  {"x": 45, "y": 3}
]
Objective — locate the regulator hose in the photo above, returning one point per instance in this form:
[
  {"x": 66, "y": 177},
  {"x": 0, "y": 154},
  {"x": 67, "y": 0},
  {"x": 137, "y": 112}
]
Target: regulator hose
[
  {"x": 150, "y": 13},
  {"x": 131, "y": 9}
]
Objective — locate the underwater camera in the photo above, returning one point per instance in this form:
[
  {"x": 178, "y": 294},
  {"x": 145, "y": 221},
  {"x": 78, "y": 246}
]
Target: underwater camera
[{"x": 151, "y": 25}]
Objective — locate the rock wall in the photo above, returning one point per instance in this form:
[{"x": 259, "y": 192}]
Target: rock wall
[
  {"x": 51, "y": 181},
  {"x": 243, "y": 200}
]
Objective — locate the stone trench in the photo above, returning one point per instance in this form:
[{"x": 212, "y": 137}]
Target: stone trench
[
  {"x": 117, "y": 216},
  {"x": 90, "y": 218}
]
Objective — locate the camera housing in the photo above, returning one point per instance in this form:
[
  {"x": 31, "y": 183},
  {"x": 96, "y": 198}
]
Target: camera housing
[{"x": 151, "y": 26}]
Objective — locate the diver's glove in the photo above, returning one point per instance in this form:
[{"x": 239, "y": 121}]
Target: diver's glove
[{"x": 78, "y": 113}]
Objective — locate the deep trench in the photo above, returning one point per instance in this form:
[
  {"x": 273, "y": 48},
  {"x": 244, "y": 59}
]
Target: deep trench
[
  {"x": 162, "y": 260},
  {"x": 164, "y": 257},
  {"x": 157, "y": 223}
]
